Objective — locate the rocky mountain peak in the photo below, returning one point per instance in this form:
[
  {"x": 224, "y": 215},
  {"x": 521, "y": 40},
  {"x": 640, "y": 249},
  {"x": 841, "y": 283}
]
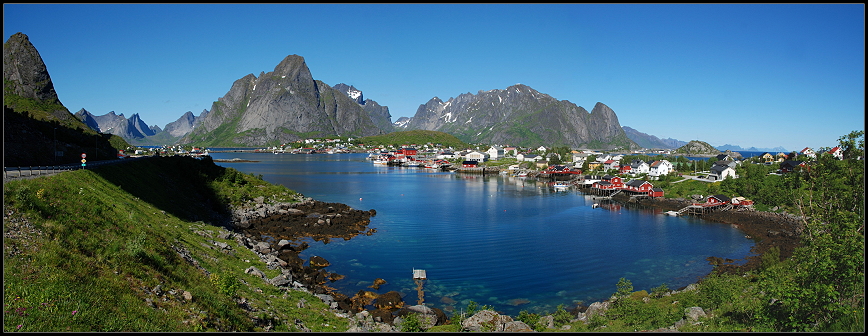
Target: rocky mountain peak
[
  {"x": 24, "y": 72},
  {"x": 281, "y": 106}
]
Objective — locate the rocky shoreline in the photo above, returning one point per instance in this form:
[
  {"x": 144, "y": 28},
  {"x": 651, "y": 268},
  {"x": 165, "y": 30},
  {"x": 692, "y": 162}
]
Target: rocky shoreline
[
  {"x": 274, "y": 232},
  {"x": 766, "y": 229}
]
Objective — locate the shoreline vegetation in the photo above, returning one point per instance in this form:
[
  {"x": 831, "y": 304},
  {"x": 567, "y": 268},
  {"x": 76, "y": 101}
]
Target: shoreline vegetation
[{"x": 206, "y": 257}]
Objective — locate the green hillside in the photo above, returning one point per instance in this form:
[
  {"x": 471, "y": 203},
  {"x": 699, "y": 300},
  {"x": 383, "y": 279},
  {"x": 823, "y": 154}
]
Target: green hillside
[
  {"x": 85, "y": 250},
  {"x": 415, "y": 137}
]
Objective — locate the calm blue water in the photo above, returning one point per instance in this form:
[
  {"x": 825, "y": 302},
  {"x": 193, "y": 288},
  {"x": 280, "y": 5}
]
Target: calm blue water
[{"x": 507, "y": 242}]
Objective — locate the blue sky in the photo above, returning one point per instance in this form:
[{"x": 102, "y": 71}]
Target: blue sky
[{"x": 742, "y": 74}]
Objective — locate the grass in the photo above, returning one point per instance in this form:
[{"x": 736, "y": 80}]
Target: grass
[{"x": 95, "y": 251}]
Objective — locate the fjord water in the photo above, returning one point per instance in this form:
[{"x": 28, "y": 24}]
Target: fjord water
[{"x": 512, "y": 243}]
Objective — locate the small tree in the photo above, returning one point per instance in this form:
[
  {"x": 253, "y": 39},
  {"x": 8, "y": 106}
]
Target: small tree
[{"x": 625, "y": 287}]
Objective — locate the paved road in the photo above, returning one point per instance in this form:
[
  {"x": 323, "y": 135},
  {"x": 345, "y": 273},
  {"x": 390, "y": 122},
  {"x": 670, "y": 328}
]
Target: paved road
[{"x": 13, "y": 173}]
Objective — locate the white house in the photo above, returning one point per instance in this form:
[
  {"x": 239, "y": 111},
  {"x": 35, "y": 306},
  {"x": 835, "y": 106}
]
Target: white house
[
  {"x": 580, "y": 157},
  {"x": 638, "y": 167},
  {"x": 541, "y": 149},
  {"x": 720, "y": 171},
  {"x": 510, "y": 151},
  {"x": 837, "y": 152},
  {"x": 661, "y": 167},
  {"x": 528, "y": 157},
  {"x": 808, "y": 152},
  {"x": 495, "y": 152},
  {"x": 611, "y": 164},
  {"x": 475, "y": 156}
]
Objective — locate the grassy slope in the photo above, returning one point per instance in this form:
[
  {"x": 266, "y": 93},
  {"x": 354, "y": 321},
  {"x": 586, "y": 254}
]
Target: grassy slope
[{"x": 99, "y": 241}]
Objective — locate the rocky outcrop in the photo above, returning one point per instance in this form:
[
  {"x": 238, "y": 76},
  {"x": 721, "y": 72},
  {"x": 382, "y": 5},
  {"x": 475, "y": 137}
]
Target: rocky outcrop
[
  {"x": 520, "y": 115},
  {"x": 491, "y": 321},
  {"x": 24, "y": 72},
  {"x": 696, "y": 147},
  {"x": 315, "y": 219},
  {"x": 281, "y": 106}
]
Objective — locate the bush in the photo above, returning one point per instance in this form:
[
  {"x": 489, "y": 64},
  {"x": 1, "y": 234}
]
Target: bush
[{"x": 411, "y": 323}]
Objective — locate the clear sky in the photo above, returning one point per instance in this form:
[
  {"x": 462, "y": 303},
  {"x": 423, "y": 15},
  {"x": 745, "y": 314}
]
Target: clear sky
[{"x": 742, "y": 74}]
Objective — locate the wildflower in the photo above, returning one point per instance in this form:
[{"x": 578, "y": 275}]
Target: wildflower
[
  {"x": 74, "y": 311},
  {"x": 20, "y": 325}
]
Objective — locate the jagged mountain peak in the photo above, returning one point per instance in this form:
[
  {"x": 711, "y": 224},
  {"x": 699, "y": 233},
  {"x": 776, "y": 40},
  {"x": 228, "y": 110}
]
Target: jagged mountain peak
[
  {"x": 521, "y": 115},
  {"x": 281, "y": 106}
]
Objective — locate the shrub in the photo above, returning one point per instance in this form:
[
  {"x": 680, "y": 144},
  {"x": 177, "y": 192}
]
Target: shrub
[{"x": 411, "y": 323}]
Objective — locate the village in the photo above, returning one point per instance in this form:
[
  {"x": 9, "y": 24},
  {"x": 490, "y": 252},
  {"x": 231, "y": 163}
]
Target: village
[{"x": 601, "y": 174}]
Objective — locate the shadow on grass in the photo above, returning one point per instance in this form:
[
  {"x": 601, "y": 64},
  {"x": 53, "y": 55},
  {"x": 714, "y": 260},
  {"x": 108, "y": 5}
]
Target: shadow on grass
[{"x": 177, "y": 185}]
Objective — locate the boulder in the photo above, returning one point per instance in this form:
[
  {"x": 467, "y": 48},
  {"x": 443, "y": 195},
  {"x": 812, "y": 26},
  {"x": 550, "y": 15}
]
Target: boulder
[
  {"x": 486, "y": 320},
  {"x": 377, "y": 283},
  {"x": 597, "y": 308},
  {"x": 281, "y": 280},
  {"x": 254, "y": 271},
  {"x": 427, "y": 317},
  {"x": 317, "y": 261},
  {"x": 389, "y": 300},
  {"x": 693, "y": 314}
]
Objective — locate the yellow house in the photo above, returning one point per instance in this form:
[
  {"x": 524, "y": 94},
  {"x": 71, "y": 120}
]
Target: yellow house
[
  {"x": 595, "y": 165},
  {"x": 767, "y": 157},
  {"x": 780, "y": 157}
]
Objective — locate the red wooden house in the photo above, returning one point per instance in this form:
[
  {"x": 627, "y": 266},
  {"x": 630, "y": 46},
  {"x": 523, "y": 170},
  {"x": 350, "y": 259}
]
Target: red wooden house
[
  {"x": 656, "y": 192},
  {"x": 408, "y": 151},
  {"x": 614, "y": 180},
  {"x": 625, "y": 169},
  {"x": 638, "y": 186},
  {"x": 712, "y": 200}
]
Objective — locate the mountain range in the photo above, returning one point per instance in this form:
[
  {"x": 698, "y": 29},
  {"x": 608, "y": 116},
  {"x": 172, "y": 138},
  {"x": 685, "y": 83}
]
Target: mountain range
[
  {"x": 521, "y": 116},
  {"x": 288, "y": 104},
  {"x": 136, "y": 131}
]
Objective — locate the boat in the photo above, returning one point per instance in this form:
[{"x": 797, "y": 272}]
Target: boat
[
  {"x": 596, "y": 205},
  {"x": 559, "y": 186},
  {"x": 672, "y": 213}
]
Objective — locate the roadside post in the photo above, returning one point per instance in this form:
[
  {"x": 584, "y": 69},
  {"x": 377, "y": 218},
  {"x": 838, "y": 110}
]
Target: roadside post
[{"x": 83, "y": 161}]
